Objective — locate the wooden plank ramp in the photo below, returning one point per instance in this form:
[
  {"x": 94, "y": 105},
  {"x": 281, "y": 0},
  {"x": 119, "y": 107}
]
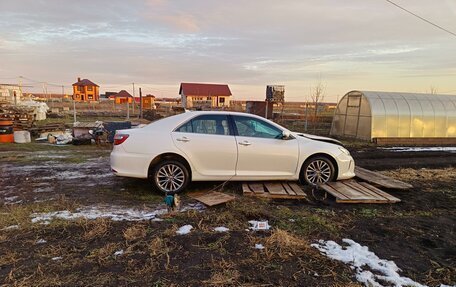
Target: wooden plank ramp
[
  {"x": 211, "y": 198},
  {"x": 274, "y": 189},
  {"x": 351, "y": 191},
  {"x": 380, "y": 179}
]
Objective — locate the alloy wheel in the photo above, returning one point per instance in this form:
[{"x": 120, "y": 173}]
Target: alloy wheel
[
  {"x": 318, "y": 171},
  {"x": 170, "y": 177}
]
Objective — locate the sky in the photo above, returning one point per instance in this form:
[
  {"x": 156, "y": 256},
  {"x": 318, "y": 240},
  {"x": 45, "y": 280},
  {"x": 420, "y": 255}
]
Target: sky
[{"x": 157, "y": 44}]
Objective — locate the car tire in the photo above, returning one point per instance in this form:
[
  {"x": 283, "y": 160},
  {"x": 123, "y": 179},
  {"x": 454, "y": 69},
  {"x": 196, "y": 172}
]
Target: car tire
[
  {"x": 170, "y": 177},
  {"x": 318, "y": 170}
]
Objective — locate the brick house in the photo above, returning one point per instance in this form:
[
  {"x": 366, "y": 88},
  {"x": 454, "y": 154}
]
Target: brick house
[
  {"x": 122, "y": 97},
  {"x": 86, "y": 91},
  {"x": 196, "y": 95},
  {"x": 148, "y": 102}
]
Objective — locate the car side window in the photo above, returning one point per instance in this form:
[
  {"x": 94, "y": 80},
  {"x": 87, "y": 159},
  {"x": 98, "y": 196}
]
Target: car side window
[
  {"x": 206, "y": 124},
  {"x": 252, "y": 127}
]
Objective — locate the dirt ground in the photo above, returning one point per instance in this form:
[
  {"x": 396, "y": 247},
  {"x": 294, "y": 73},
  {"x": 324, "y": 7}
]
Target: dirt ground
[{"x": 67, "y": 221}]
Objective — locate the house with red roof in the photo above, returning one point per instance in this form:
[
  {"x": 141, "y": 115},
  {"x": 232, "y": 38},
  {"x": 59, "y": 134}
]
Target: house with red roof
[
  {"x": 195, "y": 95},
  {"x": 86, "y": 91},
  {"x": 121, "y": 97}
]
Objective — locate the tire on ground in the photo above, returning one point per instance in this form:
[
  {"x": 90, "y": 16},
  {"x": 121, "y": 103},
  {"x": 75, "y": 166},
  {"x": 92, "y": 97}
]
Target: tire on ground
[
  {"x": 311, "y": 163},
  {"x": 169, "y": 162}
]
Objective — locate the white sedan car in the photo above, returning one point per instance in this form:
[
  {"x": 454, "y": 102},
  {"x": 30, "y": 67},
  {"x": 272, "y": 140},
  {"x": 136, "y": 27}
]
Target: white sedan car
[{"x": 222, "y": 146}]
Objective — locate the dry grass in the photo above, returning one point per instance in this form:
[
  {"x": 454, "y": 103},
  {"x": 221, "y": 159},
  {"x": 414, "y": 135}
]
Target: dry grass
[
  {"x": 19, "y": 214},
  {"x": 8, "y": 258},
  {"x": 95, "y": 228},
  {"x": 104, "y": 253},
  {"x": 135, "y": 232},
  {"x": 284, "y": 244},
  {"x": 171, "y": 231},
  {"x": 63, "y": 203},
  {"x": 225, "y": 273},
  {"x": 158, "y": 246},
  {"x": 285, "y": 240},
  {"x": 424, "y": 177}
]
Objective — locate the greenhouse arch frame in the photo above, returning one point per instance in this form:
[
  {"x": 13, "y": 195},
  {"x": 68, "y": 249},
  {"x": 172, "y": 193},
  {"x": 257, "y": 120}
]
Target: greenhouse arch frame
[{"x": 368, "y": 115}]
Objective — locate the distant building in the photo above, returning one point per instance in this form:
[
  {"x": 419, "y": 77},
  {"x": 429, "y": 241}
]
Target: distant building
[
  {"x": 86, "y": 91},
  {"x": 122, "y": 97},
  {"x": 196, "y": 95},
  {"x": 148, "y": 102},
  {"x": 46, "y": 97},
  {"x": 10, "y": 93}
]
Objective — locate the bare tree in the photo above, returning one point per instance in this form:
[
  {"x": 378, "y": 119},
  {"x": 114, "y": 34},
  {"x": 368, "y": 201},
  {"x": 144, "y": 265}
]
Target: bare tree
[
  {"x": 432, "y": 90},
  {"x": 317, "y": 95}
]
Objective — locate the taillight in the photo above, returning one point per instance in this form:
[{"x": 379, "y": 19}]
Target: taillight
[{"x": 120, "y": 138}]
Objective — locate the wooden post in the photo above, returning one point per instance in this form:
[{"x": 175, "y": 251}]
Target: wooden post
[{"x": 140, "y": 104}]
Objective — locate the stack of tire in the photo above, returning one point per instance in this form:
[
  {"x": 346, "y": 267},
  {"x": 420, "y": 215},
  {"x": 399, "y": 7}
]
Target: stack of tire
[{"x": 6, "y": 130}]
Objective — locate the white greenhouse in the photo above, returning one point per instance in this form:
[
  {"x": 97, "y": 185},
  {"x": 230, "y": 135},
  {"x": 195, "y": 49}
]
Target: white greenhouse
[{"x": 396, "y": 118}]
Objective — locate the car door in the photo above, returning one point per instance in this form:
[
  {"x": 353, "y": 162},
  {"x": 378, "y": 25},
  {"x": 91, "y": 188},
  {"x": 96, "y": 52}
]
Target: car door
[
  {"x": 209, "y": 144},
  {"x": 262, "y": 153}
]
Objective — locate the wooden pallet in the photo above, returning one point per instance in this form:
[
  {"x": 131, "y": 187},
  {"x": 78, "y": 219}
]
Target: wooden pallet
[
  {"x": 283, "y": 190},
  {"x": 211, "y": 198},
  {"x": 351, "y": 191},
  {"x": 380, "y": 179}
]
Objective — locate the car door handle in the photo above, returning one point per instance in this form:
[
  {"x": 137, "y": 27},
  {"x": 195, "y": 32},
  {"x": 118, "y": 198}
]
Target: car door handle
[
  {"x": 183, "y": 139},
  {"x": 246, "y": 143}
]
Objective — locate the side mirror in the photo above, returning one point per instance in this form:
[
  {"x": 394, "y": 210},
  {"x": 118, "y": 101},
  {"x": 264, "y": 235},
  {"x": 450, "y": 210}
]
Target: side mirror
[{"x": 286, "y": 135}]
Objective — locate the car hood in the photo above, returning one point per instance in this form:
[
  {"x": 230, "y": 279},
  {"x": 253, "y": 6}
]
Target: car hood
[{"x": 318, "y": 138}]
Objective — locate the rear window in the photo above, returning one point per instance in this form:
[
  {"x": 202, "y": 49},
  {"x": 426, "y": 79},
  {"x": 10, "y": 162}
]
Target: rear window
[{"x": 206, "y": 124}]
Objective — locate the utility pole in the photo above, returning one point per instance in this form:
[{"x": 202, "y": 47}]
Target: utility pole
[
  {"x": 307, "y": 104},
  {"x": 267, "y": 104},
  {"x": 128, "y": 109},
  {"x": 134, "y": 100},
  {"x": 140, "y": 104},
  {"x": 74, "y": 110},
  {"x": 20, "y": 88}
]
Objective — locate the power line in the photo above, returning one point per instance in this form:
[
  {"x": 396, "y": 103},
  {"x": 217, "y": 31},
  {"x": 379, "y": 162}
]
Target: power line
[{"x": 421, "y": 18}]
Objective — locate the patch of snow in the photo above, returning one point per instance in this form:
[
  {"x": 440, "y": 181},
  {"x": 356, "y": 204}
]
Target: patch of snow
[
  {"x": 420, "y": 149},
  {"x": 259, "y": 246},
  {"x": 40, "y": 241},
  {"x": 119, "y": 252},
  {"x": 193, "y": 206},
  {"x": 184, "y": 229},
  {"x": 259, "y": 225},
  {"x": 221, "y": 229},
  {"x": 49, "y": 156},
  {"x": 11, "y": 198},
  {"x": 57, "y": 258},
  {"x": 43, "y": 189},
  {"x": 43, "y": 200},
  {"x": 11, "y": 227},
  {"x": 115, "y": 213},
  {"x": 75, "y": 175},
  {"x": 362, "y": 261}
]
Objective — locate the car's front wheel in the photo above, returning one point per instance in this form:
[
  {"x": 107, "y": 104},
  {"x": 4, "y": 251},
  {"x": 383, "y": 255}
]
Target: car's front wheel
[
  {"x": 318, "y": 170},
  {"x": 170, "y": 176}
]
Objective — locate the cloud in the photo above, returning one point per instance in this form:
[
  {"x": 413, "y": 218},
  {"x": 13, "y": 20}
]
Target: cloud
[{"x": 247, "y": 44}]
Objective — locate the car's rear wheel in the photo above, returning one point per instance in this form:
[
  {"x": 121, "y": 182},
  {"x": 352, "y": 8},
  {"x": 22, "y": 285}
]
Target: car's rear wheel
[
  {"x": 318, "y": 170},
  {"x": 170, "y": 176}
]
